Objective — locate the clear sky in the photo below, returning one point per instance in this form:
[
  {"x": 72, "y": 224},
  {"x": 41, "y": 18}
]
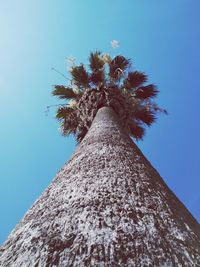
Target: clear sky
[{"x": 162, "y": 38}]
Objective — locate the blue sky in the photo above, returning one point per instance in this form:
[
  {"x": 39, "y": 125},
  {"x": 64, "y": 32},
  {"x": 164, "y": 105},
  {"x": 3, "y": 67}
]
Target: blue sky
[{"x": 161, "y": 37}]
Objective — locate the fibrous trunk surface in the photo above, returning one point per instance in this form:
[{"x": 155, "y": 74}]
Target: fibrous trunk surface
[{"x": 106, "y": 207}]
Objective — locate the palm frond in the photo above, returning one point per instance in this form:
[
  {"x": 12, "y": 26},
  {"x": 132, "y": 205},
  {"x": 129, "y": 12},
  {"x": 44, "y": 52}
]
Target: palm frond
[
  {"x": 64, "y": 112},
  {"x": 67, "y": 128},
  {"x": 69, "y": 120},
  {"x": 135, "y": 79},
  {"x": 97, "y": 77},
  {"x": 145, "y": 115},
  {"x": 157, "y": 109},
  {"x": 80, "y": 76},
  {"x": 145, "y": 92},
  {"x": 96, "y": 63},
  {"x": 117, "y": 66},
  {"x": 64, "y": 92},
  {"x": 136, "y": 131}
]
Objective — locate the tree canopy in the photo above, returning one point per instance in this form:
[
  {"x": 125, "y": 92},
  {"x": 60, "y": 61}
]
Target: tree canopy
[{"x": 106, "y": 81}]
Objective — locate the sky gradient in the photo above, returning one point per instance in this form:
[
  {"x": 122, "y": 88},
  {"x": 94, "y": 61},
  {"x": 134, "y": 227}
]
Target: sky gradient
[{"x": 161, "y": 37}]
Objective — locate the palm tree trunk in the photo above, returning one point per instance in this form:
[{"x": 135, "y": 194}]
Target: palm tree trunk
[{"x": 106, "y": 207}]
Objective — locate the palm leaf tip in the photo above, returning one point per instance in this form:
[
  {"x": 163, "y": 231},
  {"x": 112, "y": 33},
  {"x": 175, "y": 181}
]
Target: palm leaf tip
[
  {"x": 121, "y": 62},
  {"x": 80, "y": 76},
  {"x": 63, "y": 112},
  {"x": 146, "y": 116},
  {"x": 135, "y": 79},
  {"x": 159, "y": 109},
  {"x": 58, "y": 89},
  {"x": 63, "y": 92},
  {"x": 118, "y": 65},
  {"x": 96, "y": 62},
  {"x": 69, "y": 120},
  {"x": 145, "y": 92},
  {"x": 66, "y": 129},
  {"x": 137, "y": 131}
]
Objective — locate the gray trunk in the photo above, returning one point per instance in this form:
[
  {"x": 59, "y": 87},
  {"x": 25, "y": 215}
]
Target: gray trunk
[{"x": 106, "y": 207}]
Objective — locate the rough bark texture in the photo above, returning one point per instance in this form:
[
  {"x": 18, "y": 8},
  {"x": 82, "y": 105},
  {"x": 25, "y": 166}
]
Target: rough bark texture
[{"x": 106, "y": 207}]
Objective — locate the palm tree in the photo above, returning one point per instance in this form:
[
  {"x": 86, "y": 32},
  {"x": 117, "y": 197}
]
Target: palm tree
[
  {"x": 112, "y": 83},
  {"x": 107, "y": 206}
]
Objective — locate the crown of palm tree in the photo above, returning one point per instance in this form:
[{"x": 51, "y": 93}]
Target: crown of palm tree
[{"x": 106, "y": 82}]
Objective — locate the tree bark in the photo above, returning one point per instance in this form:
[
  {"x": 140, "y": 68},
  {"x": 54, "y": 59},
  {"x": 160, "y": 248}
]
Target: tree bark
[{"x": 106, "y": 207}]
